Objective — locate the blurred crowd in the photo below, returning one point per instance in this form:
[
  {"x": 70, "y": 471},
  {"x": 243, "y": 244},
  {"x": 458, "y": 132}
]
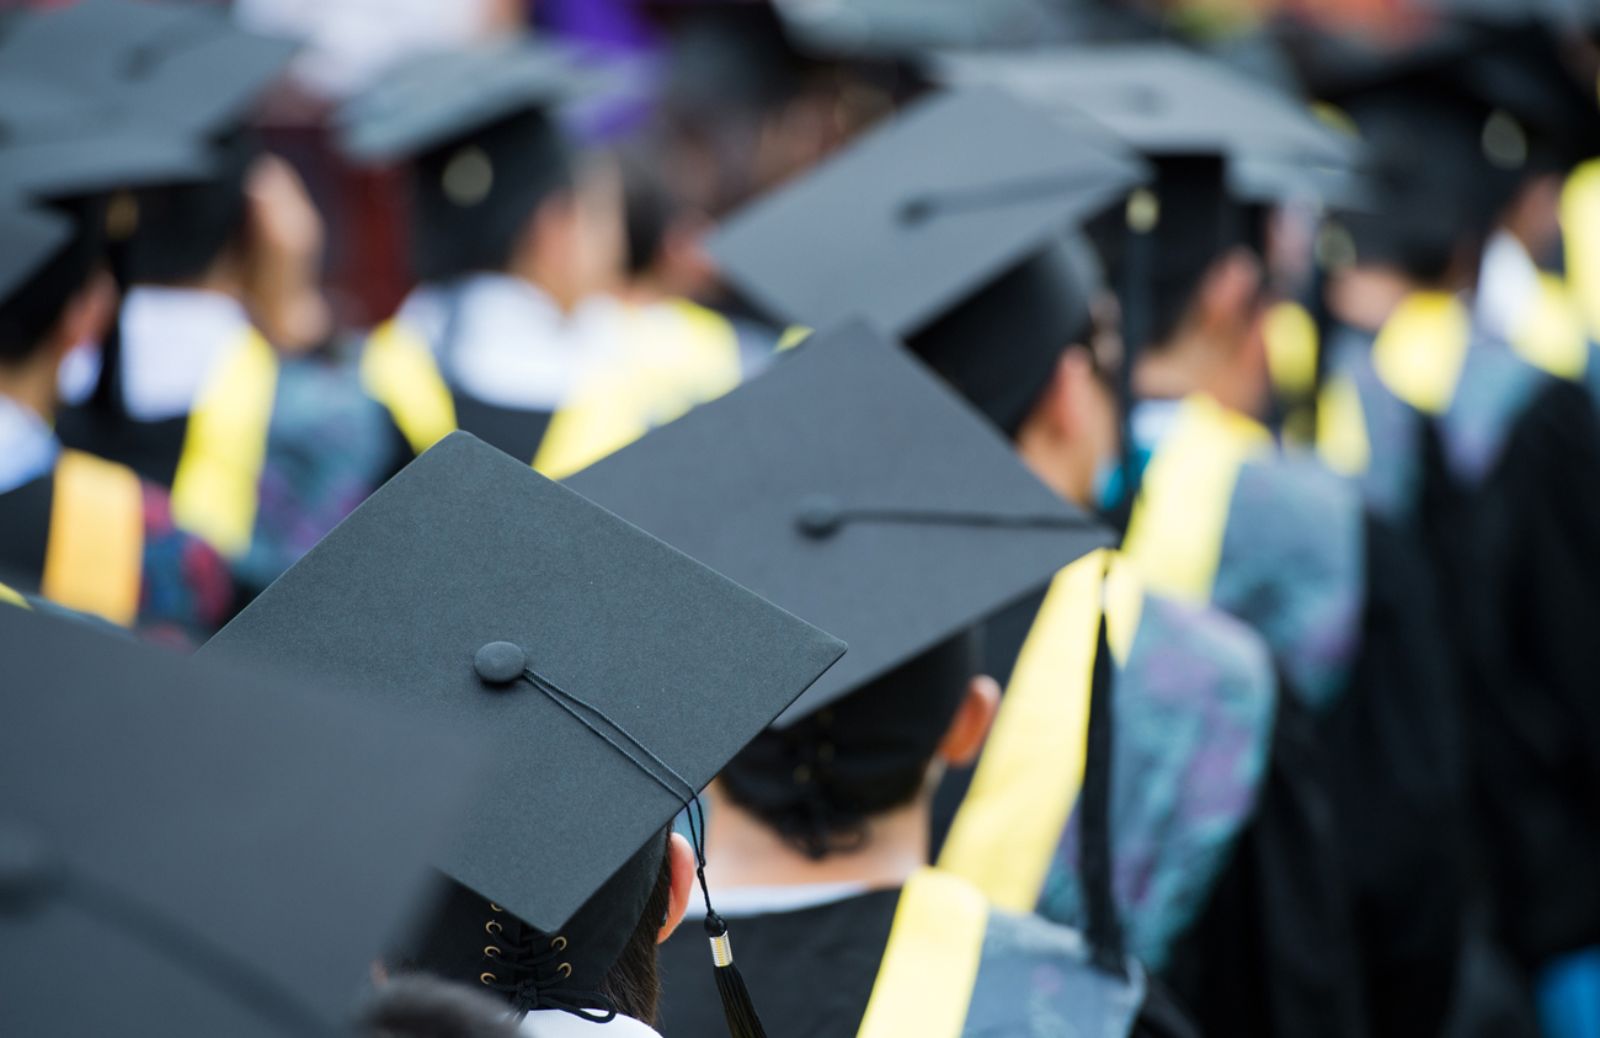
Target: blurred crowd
[{"x": 1295, "y": 304}]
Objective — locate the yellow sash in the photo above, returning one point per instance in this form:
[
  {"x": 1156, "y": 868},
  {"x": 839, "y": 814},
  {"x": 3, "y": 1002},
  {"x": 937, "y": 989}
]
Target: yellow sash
[
  {"x": 94, "y": 559},
  {"x": 399, "y": 371},
  {"x": 1421, "y": 349},
  {"x": 1342, "y": 442},
  {"x": 679, "y": 355},
  {"x": 1175, "y": 533},
  {"x": 1580, "y": 228},
  {"x": 1005, "y": 835},
  {"x": 1552, "y": 337},
  {"x": 10, "y": 597},
  {"x": 1290, "y": 335},
  {"x": 216, "y": 490},
  {"x": 924, "y": 984}
]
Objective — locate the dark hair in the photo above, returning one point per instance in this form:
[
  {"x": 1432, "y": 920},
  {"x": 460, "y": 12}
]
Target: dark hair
[
  {"x": 633, "y": 984},
  {"x": 181, "y": 230},
  {"x": 649, "y": 208},
  {"x": 472, "y": 198},
  {"x": 818, "y": 781},
  {"x": 420, "y": 1006},
  {"x": 31, "y": 311}
]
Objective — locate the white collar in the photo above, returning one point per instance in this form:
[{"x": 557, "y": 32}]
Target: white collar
[
  {"x": 28, "y": 446},
  {"x": 512, "y": 345},
  {"x": 172, "y": 339},
  {"x": 553, "y": 1023},
  {"x": 1508, "y": 283},
  {"x": 743, "y": 902}
]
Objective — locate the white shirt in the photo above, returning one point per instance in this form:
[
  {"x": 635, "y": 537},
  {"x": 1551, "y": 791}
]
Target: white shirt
[
  {"x": 512, "y": 345},
  {"x": 743, "y": 902},
  {"x": 28, "y": 446},
  {"x": 172, "y": 339},
  {"x": 552, "y": 1023},
  {"x": 1508, "y": 285}
]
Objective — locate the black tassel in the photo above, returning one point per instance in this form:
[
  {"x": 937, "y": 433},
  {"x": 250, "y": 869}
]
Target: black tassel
[{"x": 736, "y": 1004}]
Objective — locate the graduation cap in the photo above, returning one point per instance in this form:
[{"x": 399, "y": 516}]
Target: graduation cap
[
  {"x": 33, "y": 238},
  {"x": 193, "y": 850},
  {"x": 1163, "y": 99},
  {"x": 850, "y": 485},
  {"x": 479, "y": 124},
  {"x": 607, "y": 677},
  {"x": 947, "y": 217},
  {"x": 899, "y": 28}
]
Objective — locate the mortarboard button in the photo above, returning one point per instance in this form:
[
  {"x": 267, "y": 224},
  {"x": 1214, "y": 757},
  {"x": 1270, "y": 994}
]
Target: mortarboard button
[
  {"x": 820, "y": 517},
  {"x": 500, "y": 663}
]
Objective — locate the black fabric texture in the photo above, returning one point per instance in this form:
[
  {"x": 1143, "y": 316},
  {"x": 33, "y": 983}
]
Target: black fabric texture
[
  {"x": 152, "y": 449},
  {"x": 1395, "y": 743},
  {"x": 810, "y": 972},
  {"x": 25, "y": 532},
  {"x": 1274, "y": 951}
]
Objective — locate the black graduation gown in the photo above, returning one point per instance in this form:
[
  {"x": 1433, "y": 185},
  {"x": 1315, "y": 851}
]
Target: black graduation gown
[{"x": 811, "y": 973}]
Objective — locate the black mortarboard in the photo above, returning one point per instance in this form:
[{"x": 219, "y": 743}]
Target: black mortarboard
[
  {"x": 607, "y": 676},
  {"x": 949, "y": 215},
  {"x": 914, "y": 217},
  {"x": 1163, "y": 99},
  {"x": 479, "y": 125},
  {"x": 192, "y": 850},
  {"x": 906, "y": 28},
  {"x": 850, "y": 485},
  {"x": 33, "y": 238}
]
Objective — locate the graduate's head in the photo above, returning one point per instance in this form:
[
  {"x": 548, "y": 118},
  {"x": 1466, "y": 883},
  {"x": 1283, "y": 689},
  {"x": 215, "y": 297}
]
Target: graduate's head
[
  {"x": 607, "y": 948},
  {"x": 1026, "y": 350},
  {"x": 822, "y": 781},
  {"x": 61, "y": 295},
  {"x": 514, "y": 197},
  {"x": 185, "y": 233},
  {"x": 1200, "y": 277}
]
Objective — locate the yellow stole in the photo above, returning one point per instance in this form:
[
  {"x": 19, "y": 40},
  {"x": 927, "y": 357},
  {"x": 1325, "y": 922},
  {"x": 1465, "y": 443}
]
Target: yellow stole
[
  {"x": 924, "y": 984},
  {"x": 94, "y": 559},
  {"x": 1004, "y": 837},
  {"x": 216, "y": 491}
]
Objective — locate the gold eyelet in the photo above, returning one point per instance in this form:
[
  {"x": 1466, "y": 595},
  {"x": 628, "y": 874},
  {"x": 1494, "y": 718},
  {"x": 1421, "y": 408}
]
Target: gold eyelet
[
  {"x": 491, "y": 951},
  {"x": 565, "y": 969},
  {"x": 559, "y": 943},
  {"x": 493, "y": 927},
  {"x": 487, "y": 978},
  {"x": 495, "y": 908}
]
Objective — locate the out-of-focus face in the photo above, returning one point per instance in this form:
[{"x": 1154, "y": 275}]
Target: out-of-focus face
[{"x": 582, "y": 243}]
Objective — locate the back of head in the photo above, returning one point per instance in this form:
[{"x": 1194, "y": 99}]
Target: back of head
[
  {"x": 999, "y": 347},
  {"x": 29, "y": 313},
  {"x": 1443, "y": 168},
  {"x": 472, "y": 197},
  {"x": 180, "y": 231},
  {"x": 1195, "y": 221},
  {"x": 819, "y": 781}
]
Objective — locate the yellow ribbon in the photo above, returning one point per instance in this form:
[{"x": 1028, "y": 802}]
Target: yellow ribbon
[
  {"x": 1551, "y": 336},
  {"x": 1342, "y": 442},
  {"x": 677, "y": 355},
  {"x": 1421, "y": 349},
  {"x": 11, "y": 597},
  {"x": 1580, "y": 228},
  {"x": 1004, "y": 837},
  {"x": 399, "y": 371},
  {"x": 925, "y": 981},
  {"x": 216, "y": 491},
  {"x": 94, "y": 559},
  {"x": 1176, "y": 529}
]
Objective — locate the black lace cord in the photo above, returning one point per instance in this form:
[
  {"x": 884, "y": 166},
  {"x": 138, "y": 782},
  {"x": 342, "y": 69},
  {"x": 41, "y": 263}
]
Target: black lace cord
[
  {"x": 217, "y": 964},
  {"x": 1102, "y": 925},
  {"x": 524, "y": 986}
]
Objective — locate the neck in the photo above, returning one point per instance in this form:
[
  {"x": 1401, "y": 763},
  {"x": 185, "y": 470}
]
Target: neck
[
  {"x": 1053, "y": 465},
  {"x": 742, "y": 851},
  {"x": 1365, "y": 297},
  {"x": 1178, "y": 369},
  {"x": 33, "y": 384}
]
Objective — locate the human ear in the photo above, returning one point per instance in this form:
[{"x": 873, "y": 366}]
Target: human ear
[
  {"x": 964, "y": 738},
  {"x": 680, "y": 858}
]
